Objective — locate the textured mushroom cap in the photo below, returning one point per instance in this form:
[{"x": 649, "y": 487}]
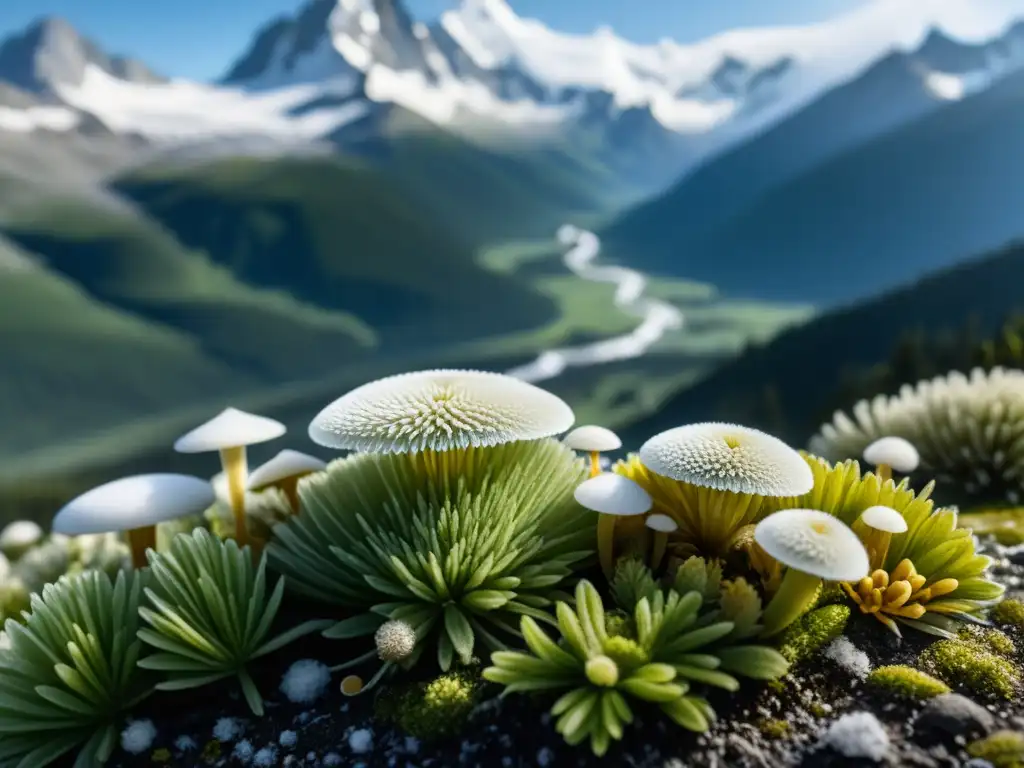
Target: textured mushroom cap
[
  {"x": 440, "y": 410},
  {"x": 20, "y": 533},
  {"x": 813, "y": 542},
  {"x": 728, "y": 457},
  {"x": 898, "y": 453},
  {"x": 592, "y": 438},
  {"x": 230, "y": 428},
  {"x": 661, "y": 523},
  {"x": 287, "y": 463},
  {"x": 613, "y": 494},
  {"x": 883, "y": 518},
  {"x": 134, "y": 502}
]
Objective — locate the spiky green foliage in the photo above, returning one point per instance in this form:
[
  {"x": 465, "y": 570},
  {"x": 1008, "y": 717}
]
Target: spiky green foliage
[
  {"x": 457, "y": 544},
  {"x": 676, "y": 646},
  {"x": 209, "y": 614},
  {"x": 933, "y": 543},
  {"x": 969, "y": 431},
  {"x": 70, "y": 671}
]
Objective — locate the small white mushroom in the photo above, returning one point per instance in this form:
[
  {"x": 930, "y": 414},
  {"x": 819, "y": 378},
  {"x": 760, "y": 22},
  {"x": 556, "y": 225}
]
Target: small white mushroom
[
  {"x": 19, "y": 537},
  {"x": 284, "y": 471},
  {"x": 594, "y": 440},
  {"x": 612, "y": 496},
  {"x": 889, "y": 453},
  {"x": 442, "y": 410},
  {"x": 875, "y": 526},
  {"x": 662, "y": 525},
  {"x": 812, "y": 545},
  {"x": 728, "y": 457},
  {"x": 230, "y": 433},
  {"x": 134, "y": 506}
]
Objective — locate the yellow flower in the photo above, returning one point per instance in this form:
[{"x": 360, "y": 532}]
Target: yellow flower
[{"x": 901, "y": 593}]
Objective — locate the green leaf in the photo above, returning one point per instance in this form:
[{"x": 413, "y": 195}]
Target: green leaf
[
  {"x": 656, "y": 692},
  {"x": 358, "y": 626},
  {"x": 754, "y": 661},
  {"x": 459, "y": 631},
  {"x": 684, "y": 712},
  {"x": 486, "y": 599},
  {"x": 709, "y": 676}
]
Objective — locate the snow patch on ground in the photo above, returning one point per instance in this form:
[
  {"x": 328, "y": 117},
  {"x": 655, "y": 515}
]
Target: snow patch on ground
[
  {"x": 138, "y": 737},
  {"x": 228, "y": 729},
  {"x": 305, "y": 681},
  {"x": 849, "y": 657},
  {"x": 43, "y": 118},
  {"x": 361, "y": 741},
  {"x": 858, "y": 734}
]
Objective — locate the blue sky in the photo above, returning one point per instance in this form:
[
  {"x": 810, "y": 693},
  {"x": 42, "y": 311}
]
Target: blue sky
[{"x": 199, "y": 38}]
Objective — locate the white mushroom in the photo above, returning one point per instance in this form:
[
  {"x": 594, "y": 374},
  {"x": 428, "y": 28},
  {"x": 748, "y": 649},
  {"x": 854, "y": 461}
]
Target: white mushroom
[
  {"x": 889, "y": 453},
  {"x": 593, "y": 440},
  {"x": 612, "y": 496},
  {"x": 134, "y": 505},
  {"x": 229, "y": 433},
  {"x": 875, "y": 526},
  {"x": 812, "y": 545},
  {"x": 284, "y": 471},
  {"x": 19, "y": 537},
  {"x": 440, "y": 410},
  {"x": 662, "y": 525},
  {"x": 728, "y": 457}
]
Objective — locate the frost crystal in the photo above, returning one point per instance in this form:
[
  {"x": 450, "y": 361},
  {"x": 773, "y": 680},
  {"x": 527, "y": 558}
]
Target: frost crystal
[
  {"x": 138, "y": 736},
  {"x": 858, "y": 734},
  {"x": 305, "y": 681}
]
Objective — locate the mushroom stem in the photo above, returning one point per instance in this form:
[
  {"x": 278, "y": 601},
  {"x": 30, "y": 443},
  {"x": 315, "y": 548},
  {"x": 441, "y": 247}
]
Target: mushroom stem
[
  {"x": 595, "y": 463},
  {"x": 606, "y": 544},
  {"x": 139, "y": 540},
  {"x": 884, "y": 472},
  {"x": 878, "y": 550},
  {"x": 290, "y": 487},
  {"x": 796, "y": 592},
  {"x": 660, "y": 545},
  {"x": 235, "y": 470}
]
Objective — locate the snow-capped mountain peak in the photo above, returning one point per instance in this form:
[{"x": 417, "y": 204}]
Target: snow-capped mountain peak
[{"x": 51, "y": 53}]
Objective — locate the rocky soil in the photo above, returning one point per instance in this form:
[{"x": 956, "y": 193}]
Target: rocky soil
[{"x": 824, "y": 714}]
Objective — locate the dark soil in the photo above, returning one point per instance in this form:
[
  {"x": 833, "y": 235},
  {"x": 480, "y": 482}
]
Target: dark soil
[{"x": 760, "y": 727}]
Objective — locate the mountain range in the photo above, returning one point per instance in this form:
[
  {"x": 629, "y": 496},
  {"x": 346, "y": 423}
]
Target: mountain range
[{"x": 320, "y": 210}]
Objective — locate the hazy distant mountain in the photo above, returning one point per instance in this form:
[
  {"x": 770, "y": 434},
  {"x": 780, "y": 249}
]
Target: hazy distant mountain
[{"x": 905, "y": 168}]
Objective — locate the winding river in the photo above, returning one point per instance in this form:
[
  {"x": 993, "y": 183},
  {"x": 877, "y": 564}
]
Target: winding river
[{"x": 656, "y": 317}]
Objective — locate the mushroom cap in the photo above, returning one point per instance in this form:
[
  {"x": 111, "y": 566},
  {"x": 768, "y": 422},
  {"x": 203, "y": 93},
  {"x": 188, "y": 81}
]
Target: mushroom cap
[
  {"x": 287, "y": 463},
  {"x": 592, "y": 438},
  {"x": 231, "y": 428},
  {"x": 814, "y": 542},
  {"x": 613, "y": 494},
  {"x": 661, "y": 523},
  {"x": 134, "y": 502},
  {"x": 883, "y": 518},
  {"x": 728, "y": 457},
  {"x": 20, "y": 533},
  {"x": 440, "y": 410},
  {"x": 897, "y": 452}
]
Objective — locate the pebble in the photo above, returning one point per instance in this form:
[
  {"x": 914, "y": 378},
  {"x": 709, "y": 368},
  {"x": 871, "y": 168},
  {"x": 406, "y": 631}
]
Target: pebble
[{"x": 955, "y": 715}]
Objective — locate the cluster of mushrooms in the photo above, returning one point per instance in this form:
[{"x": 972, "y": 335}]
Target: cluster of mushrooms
[{"x": 811, "y": 545}]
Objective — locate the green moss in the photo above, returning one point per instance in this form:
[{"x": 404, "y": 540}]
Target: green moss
[
  {"x": 434, "y": 709},
  {"x": 211, "y": 751},
  {"x": 973, "y": 664},
  {"x": 1005, "y": 525},
  {"x": 162, "y": 755},
  {"x": 818, "y": 709},
  {"x": 775, "y": 729},
  {"x": 1004, "y": 749},
  {"x": 1010, "y": 613},
  {"x": 906, "y": 681},
  {"x": 813, "y": 631},
  {"x": 618, "y": 624}
]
